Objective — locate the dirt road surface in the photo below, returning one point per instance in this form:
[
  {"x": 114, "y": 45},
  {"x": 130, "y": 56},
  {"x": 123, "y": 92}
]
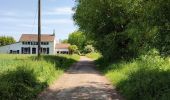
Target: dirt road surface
[{"x": 81, "y": 82}]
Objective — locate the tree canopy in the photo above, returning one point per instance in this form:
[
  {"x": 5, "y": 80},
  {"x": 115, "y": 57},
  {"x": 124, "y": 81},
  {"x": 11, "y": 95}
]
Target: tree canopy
[
  {"x": 73, "y": 49},
  {"x": 6, "y": 40},
  {"x": 77, "y": 38},
  {"x": 125, "y": 28}
]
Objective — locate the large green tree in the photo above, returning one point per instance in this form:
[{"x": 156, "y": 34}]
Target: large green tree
[
  {"x": 77, "y": 38},
  {"x": 125, "y": 28},
  {"x": 73, "y": 49},
  {"x": 6, "y": 40}
]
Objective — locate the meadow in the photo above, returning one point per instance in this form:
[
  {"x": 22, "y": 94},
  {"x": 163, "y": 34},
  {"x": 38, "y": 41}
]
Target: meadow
[{"x": 23, "y": 77}]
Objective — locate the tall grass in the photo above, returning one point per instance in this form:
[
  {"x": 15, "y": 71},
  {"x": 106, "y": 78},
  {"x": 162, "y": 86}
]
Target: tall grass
[
  {"x": 22, "y": 77},
  {"x": 145, "y": 78}
]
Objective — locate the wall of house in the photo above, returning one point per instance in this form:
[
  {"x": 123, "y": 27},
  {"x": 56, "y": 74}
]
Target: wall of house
[
  {"x": 18, "y": 46},
  {"x": 6, "y": 49},
  {"x": 50, "y": 46},
  {"x": 62, "y": 50}
]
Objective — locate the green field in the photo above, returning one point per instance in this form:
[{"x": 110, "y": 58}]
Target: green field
[
  {"x": 22, "y": 77},
  {"x": 144, "y": 78}
]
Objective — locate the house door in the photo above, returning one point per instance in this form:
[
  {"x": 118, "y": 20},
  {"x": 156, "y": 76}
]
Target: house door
[{"x": 33, "y": 50}]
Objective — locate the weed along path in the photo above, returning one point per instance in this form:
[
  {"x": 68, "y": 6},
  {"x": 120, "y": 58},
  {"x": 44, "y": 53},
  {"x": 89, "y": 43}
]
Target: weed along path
[{"x": 81, "y": 82}]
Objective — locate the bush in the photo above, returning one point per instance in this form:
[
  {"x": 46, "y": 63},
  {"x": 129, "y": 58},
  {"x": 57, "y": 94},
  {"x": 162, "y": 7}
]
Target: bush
[
  {"x": 88, "y": 49},
  {"x": 73, "y": 49}
]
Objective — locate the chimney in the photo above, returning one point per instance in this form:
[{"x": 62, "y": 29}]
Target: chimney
[{"x": 54, "y": 32}]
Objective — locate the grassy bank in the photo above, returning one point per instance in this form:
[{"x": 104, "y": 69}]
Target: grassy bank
[
  {"x": 145, "y": 78},
  {"x": 22, "y": 77}
]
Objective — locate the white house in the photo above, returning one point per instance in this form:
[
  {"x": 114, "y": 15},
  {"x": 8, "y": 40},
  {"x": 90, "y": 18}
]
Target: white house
[{"x": 28, "y": 44}]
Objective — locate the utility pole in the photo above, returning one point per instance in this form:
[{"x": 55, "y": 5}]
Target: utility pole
[{"x": 39, "y": 28}]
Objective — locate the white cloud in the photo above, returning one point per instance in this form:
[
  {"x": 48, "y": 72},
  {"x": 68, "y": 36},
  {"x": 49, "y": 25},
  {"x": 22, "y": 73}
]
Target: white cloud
[
  {"x": 60, "y": 11},
  {"x": 8, "y": 14},
  {"x": 16, "y": 14},
  {"x": 9, "y": 20}
]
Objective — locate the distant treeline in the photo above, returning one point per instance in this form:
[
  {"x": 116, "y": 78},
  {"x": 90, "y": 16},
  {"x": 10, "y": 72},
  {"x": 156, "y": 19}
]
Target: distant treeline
[{"x": 6, "y": 40}]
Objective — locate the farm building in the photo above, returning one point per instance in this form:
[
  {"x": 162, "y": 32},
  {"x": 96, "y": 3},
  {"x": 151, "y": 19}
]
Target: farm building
[
  {"x": 62, "y": 48},
  {"x": 28, "y": 44}
]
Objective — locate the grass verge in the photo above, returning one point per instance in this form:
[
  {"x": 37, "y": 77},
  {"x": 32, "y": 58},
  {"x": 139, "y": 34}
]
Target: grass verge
[
  {"x": 22, "y": 77},
  {"x": 145, "y": 78}
]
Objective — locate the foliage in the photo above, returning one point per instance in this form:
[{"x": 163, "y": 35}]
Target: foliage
[
  {"x": 145, "y": 78},
  {"x": 64, "y": 41},
  {"x": 73, "y": 49},
  {"x": 88, "y": 49},
  {"x": 125, "y": 28},
  {"x": 77, "y": 38},
  {"x": 94, "y": 55},
  {"x": 6, "y": 40},
  {"x": 23, "y": 78}
]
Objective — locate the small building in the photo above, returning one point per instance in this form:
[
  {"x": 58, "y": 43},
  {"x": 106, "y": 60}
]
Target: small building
[{"x": 62, "y": 48}]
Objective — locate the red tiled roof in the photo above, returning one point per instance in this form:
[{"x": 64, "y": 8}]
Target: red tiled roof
[
  {"x": 62, "y": 46},
  {"x": 34, "y": 37}
]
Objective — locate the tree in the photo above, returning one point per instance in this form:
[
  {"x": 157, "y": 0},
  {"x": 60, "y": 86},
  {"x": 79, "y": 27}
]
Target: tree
[
  {"x": 125, "y": 28},
  {"x": 64, "y": 41},
  {"x": 73, "y": 49},
  {"x": 6, "y": 40},
  {"x": 77, "y": 38},
  {"x": 88, "y": 49}
]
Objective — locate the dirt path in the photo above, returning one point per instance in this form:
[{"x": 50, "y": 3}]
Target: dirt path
[{"x": 81, "y": 82}]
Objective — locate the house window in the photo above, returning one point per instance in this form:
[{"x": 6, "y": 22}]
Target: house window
[
  {"x": 28, "y": 43},
  {"x": 23, "y": 43},
  {"x": 10, "y": 51},
  {"x": 44, "y": 43},
  {"x": 45, "y": 50},
  {"x": 26, "y": 50},
  {"x": 48, "y": 50},
  {"x": 33, "y": 50},
  {"x": 14, "y": 51},
  {"x": 17, "y": 51},
  {"x": 34, "y": 43}
]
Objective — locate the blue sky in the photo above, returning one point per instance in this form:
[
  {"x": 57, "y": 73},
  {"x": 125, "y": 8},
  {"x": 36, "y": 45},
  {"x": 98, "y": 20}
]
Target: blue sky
[{"x": 17, "y": 17}]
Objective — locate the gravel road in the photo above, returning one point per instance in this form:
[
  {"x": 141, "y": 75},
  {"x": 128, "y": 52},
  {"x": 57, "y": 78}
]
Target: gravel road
[{"x": 81, "y": 82}]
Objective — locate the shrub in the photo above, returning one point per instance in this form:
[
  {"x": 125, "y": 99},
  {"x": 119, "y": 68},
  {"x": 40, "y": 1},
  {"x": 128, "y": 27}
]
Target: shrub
[
  {"x": 88, "y": 49},
  {"x": 73, "y": 49}
]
